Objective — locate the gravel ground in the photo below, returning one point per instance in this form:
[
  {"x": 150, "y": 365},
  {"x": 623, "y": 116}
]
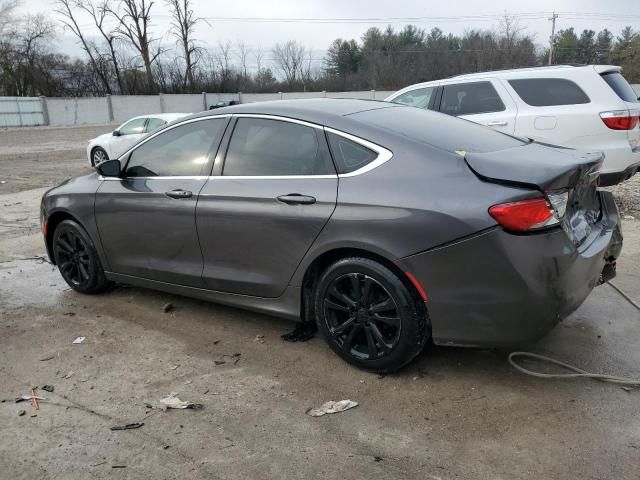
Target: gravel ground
[{"x": 628, "y": 196}]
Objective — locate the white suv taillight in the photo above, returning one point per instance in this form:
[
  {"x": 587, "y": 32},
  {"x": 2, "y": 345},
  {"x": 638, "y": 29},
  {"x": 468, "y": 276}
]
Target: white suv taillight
[{"x": 620, "y": 119}]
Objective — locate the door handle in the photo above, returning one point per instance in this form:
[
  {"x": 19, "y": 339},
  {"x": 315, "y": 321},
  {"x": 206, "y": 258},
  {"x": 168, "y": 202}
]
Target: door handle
[
  {"x": 497, "y": 123},
  {"x": 179, "y": 193},
  {"x": 297, "y": 199}
]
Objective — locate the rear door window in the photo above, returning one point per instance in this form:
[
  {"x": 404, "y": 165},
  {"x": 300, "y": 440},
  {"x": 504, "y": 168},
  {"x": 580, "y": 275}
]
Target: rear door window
[
  {"x": 420, "y": 97},
  {"x": 264, "y": 147},
  {"x": 470, "y": 98},
  {"x": 546, "y": 92},
  {"x": 619, "y": 85}
]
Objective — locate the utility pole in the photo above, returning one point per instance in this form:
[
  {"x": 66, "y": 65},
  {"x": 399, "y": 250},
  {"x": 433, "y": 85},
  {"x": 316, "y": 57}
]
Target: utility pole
[{"x": 553, "y": 33}]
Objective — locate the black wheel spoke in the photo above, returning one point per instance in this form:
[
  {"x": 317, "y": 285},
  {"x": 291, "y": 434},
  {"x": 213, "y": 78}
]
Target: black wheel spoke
[
  {"x": 391, "y": 321},
  {"x": 366, "y": 289},
  {"x": 348, "y": 341},
  {"x": 343, "y": 297},
  {"x": 335, "y": 306},
  {"x": 371, "y": 344},
  {"x": 84, "y": 273},
  {"x": 377, "y": 334},
  {"x": 356, "y": 287},
  {"x": 383, "y": 306},
  {"x": 64, "y": 246},
  {"x": 340, "y": 329}
]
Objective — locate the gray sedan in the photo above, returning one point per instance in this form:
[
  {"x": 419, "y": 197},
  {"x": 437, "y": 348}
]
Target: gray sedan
[{"x": 385, "y": 225}]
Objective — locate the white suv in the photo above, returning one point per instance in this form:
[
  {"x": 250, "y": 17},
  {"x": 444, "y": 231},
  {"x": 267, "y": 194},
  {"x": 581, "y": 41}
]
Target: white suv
[{"x": 589, "y": 107}]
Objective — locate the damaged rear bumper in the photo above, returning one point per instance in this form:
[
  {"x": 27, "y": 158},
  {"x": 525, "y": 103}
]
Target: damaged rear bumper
[{"x": 501, "y": 289}]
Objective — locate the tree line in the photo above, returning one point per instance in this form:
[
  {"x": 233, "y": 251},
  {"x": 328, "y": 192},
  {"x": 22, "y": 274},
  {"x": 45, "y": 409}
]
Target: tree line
[{"x": 126, "y": 56}]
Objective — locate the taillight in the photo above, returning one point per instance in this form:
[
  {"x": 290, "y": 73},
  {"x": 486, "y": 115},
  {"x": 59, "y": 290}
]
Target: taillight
[
  {"x": 532, "y": 214},
  {"x": 620, "y": 119}
]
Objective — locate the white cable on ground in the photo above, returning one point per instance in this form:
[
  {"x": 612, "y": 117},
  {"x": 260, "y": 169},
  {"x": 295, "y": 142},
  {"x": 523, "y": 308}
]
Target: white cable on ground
[{"x": 630, "y": 382}]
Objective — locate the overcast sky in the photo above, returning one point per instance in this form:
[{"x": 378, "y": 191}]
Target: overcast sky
[{"x": 358, "y": 15}]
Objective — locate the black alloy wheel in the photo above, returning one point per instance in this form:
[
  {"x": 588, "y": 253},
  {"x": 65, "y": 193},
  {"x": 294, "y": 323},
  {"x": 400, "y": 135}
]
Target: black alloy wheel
[
  {"x": 368, "y": 315},
  {"x": 77, "y": 259}
]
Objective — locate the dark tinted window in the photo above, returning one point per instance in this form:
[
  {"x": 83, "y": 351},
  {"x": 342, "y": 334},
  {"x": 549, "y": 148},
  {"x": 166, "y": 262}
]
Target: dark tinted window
[
  {"x": 154, "y": 124},
  {"x": 419, "y": 97},
  {"x": 544, "y": 92},
  {"x": 619, "y": 85},
  {"x": 179, "y": 151},
  {"x": 441, "y": 131},
  {"x": 349, "y": 156},
  {"x": 133, "y": 126},
  {"x": 264, "y": 147},
  {"x": 470, "y": 98}
]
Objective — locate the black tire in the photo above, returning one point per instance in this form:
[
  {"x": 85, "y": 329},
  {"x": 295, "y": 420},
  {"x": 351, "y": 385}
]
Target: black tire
[
  {"x": 349, "y": 299},
  {"x": 77, "y": 258},
  {"x": 98, "y": 155}
]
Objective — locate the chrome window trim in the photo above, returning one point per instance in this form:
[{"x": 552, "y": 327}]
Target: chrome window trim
[
  {"x": 384, "y": 155},
  {"x": 181, "y": 177},
  {"x": 273, "y": 177},
  {"x": 278, "y": 117}
]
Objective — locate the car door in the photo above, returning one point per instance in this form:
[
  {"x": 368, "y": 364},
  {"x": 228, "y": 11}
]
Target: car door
[
  {"x": 146, "y": 219},
  {"x": 265, "y": 204},
  {"x": 485, "y": 102},
  {"x": 125, "y": 136}
]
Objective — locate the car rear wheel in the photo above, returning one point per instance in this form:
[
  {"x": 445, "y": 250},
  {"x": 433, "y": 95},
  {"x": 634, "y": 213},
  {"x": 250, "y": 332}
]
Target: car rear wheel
[
  {"x": 77, "y": 259},
  {"x": 98, "y": 155},
  {"x": 368, "y": 316}
]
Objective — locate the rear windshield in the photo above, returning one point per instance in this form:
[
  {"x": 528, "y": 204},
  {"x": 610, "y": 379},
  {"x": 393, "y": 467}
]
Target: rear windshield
[
  {"x": 619, "y": 85},
  {"x": 442, "y": 131}
]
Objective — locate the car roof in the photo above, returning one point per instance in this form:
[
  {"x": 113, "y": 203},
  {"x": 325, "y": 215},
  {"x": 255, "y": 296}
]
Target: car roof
[
  {"x": 322, "y": 111},
  {"x": 513, "y": 73}
]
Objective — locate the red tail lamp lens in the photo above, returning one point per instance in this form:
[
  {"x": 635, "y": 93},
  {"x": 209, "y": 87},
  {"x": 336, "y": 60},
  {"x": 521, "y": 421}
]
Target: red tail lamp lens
[{"x": 523, "y": 215}]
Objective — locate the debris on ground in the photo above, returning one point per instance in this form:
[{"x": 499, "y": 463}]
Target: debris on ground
[
  {"x": 377, "y": 458},
  {"x": 332, "y": 407},
  {"x": 69, "y": 375},
  {"x": 21, "y": 413},
  {"x": 172, "y": 401},
  {"x": 118, "y": 466},
  {"x": 219, "y": 362},
  {"x": 167, "y": 307},
  {"x": 48, "y": 388},
  {"x": 79, "y": 340},
  {"x": 69, "y": 314},
  {"x": 259, "y": 339},
  {"x": 128, "y": 426},
  {"x": 302, "y": 332},
  {"x": 27, "y": 398},
  {"x": 48, "y": 357}
]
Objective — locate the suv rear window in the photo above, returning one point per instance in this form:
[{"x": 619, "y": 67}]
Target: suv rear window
[
  {"x": 619, "y": 85},
  {"x": 545, "y": 92}
]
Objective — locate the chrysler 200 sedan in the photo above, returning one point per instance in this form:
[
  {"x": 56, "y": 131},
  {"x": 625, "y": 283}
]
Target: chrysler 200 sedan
[{"x": 386, "y": 225}]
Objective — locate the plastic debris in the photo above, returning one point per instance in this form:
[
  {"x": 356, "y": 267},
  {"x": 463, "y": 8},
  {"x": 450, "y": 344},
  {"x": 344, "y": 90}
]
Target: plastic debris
[
  {"x": 48, "y": 357},
  {"x": 128, "y": 426},
  {"x": 69, "y": 375},
  {"x": 79, "y": 340},
  {"x": 332, "y": 407},
  {"x": 21, "y": 413},
  {"x": 48, "y": 388},
  {"x": 27, "y": 398},
  {"x": 167, "y": 307},
  {"x": 172, "y": 401},
  {"x": 259, "y": 339}
]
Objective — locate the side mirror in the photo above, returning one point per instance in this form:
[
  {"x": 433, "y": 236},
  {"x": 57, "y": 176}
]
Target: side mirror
[
  {"x": 116, "y": 133},
  {"x": 110, "y": 168}
]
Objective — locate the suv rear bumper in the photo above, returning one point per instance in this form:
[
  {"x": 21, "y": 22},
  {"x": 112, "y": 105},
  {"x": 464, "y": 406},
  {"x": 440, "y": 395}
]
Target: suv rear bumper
[
  {"x": 613, "y": 178},
  {"x": 500, "y": 289}
]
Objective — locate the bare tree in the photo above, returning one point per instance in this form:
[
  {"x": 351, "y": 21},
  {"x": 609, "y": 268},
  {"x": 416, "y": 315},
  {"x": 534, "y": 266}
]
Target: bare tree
[
  {"x": 243, "y": 56},
  {"x": 34, "y": 32},
  {"x": 70, "y": 22},
  {"x": 223, "y": 56},
  {"x": 134, "y": 20},
  {"x": 289, "y": 59},
  {"x": 7, "y": 7},
  {"x": 182, "y": 26},
  {"x": 258, "y": 56},
  {"x": 100, "y": 13}
]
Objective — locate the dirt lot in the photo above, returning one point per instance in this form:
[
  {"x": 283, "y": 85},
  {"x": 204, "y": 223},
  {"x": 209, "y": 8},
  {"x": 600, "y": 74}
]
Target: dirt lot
[{"x": 455, "y": 413}]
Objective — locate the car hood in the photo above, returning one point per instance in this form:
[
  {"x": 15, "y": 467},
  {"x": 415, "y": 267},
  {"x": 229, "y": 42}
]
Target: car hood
[
  {"x": 536, "y": 165},
  {"x": 102, "y": 138}
]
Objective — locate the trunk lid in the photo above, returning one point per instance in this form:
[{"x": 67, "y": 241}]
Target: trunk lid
[{"x": 552, "y": 171}]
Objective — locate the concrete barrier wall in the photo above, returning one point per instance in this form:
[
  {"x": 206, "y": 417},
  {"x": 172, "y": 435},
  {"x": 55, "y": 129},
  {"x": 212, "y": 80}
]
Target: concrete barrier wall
[
  {"x": 31, "y": 111},
  {"x": 77, "y": 111}
]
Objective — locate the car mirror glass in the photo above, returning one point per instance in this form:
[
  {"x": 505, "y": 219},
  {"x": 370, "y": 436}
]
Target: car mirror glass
[
  {"x": 116, "y": 133},
  {"x": 110, "y": 168}
]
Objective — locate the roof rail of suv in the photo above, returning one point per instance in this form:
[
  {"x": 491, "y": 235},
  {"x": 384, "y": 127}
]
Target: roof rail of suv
[{"x": 521, "y": 68}]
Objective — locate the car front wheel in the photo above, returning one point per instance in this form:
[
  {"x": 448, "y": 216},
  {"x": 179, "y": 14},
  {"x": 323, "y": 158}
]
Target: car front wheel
[
  {"x": 98, "y": 155},
  {"x": 368, "y": 315},
  {"x": 77, "y": 258}
]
